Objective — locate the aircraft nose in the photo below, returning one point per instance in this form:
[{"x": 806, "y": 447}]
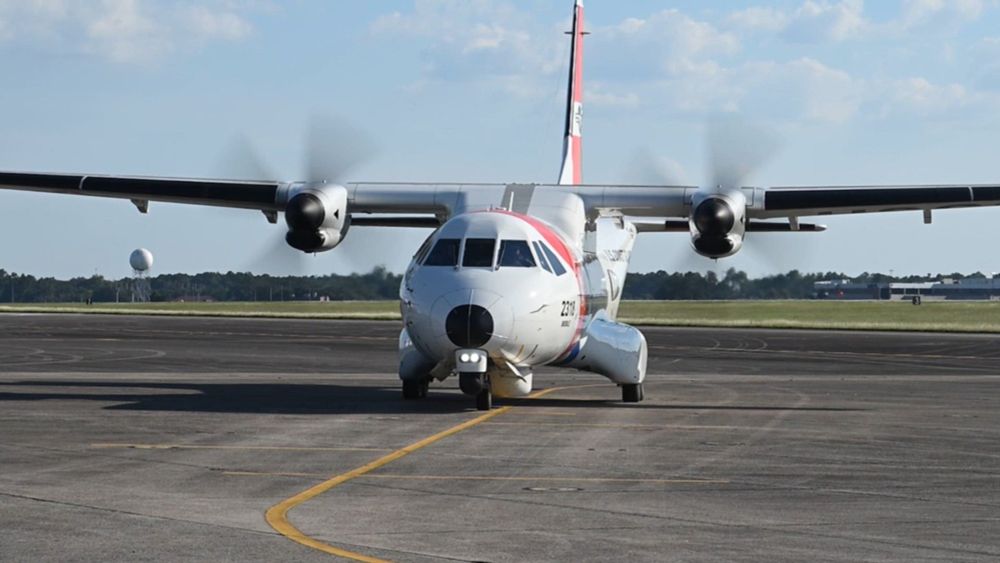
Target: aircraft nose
[{"x": 469, "y": 326}]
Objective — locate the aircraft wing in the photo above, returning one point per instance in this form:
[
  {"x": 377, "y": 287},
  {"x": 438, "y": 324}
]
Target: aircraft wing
[
  {"x": 386, "y": 200},
  {"x": 429, "y": 203},
  {"x": 842, "y": 200},
  {"x": 223, "y": 193}
]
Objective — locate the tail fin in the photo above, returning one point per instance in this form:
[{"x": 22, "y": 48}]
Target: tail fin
[{"x": 572, "y": 164}]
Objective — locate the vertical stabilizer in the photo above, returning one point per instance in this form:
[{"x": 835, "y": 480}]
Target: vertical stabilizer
[{"x": 572, "y": 164}]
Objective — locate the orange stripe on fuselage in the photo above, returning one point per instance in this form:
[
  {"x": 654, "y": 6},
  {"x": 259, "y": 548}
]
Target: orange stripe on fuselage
[{"x": 564, "y": 252}]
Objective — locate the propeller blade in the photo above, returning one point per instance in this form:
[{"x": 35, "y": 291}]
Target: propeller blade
[
  {"x": 241, "y": 161},
  {"x": 645, "y": 168},
  {"x": 780, "y": 252},
  {"x": 737, "y": 149},
  {"x": 333, "y": 148},
  {"x": 276, "y": 257}
]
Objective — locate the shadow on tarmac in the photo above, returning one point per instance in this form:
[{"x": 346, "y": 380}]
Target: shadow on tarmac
[{"x": 297, "y": 398}]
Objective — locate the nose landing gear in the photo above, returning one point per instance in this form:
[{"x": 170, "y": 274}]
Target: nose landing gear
[
  {"x": 477, "y": 384},
  {"x": 471, "y": 365}
]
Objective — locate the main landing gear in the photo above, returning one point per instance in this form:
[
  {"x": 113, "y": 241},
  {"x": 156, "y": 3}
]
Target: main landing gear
[
  {"x": 632, "y": 392},
  {"x": 415, "y": 388},
  {"x": 484, "y": 400}
]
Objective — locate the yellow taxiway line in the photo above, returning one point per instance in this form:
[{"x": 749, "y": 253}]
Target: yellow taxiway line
[
  {"x": 681, "y": 481},
  {"x": 525, "y": 478},
  {"x": 250, "y": 448},
  {"x": 277, "y": 515}
]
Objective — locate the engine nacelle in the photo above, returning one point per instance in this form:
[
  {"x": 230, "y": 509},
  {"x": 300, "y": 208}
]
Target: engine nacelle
[
  {"x": 317, "y": 217},
  {"x": 718, "y": 224}
]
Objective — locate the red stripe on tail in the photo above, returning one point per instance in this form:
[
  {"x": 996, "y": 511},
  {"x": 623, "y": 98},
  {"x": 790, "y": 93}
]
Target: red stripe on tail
[{"x": 572, "y": 165}]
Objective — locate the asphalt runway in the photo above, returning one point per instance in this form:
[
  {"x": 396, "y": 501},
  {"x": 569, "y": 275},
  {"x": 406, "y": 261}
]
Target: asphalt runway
[{"x": 133, "y": 438}]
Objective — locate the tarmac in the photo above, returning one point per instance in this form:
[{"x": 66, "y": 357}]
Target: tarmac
[{"x": 166, "y": 439}]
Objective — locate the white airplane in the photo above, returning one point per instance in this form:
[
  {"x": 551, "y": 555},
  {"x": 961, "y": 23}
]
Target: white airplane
[{"x": 517, "y": 276}]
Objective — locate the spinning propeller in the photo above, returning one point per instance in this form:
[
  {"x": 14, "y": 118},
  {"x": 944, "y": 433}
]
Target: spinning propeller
[
  {"x": 316, "y": 215},
  {"x": 718, "y": 221}
]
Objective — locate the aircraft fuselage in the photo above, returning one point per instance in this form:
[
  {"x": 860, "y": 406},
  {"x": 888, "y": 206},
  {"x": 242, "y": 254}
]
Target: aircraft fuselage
[{"x": 517, "y": 288}]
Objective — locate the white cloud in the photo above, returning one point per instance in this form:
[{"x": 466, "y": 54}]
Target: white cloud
[
  {"x": 759, "y": 19},
  {"x": 814, "y": 21},
  {"x": 478, "y": 40},
  {"x": 810, "y": 22},
  {"x": 667, "y": 43},
  {"x": 826, "y": 93},
  {"x": 599, "y": 94},
  {"x": 494, "y": 43},
  {"x": 123, "y": 31},
  {"x": 823, "y": 20},
  {"x": 467, "y": 26},
  {"x": 799, "y": 89},
  {"x": 919, "y": 95},
  {"x": 216, "y": 24},
  {"x": 684, "y": 36},
  {"x": 806, "y": 89},
  {"x": 681, "y": 64},
  {"x": 918, "y": 13}
]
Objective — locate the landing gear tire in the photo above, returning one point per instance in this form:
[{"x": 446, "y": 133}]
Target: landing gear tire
[
  {"x": 484, "y": 400},
  {"x": 632, "y": 392},
  {"x": 415, "y": 388}
]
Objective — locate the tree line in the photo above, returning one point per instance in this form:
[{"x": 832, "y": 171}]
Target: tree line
[
  {"x": 230, "y": 286},
  {"x": 382, "y": 284}
]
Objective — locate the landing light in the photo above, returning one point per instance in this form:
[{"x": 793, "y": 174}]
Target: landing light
[{"x": 465, "y": 358}]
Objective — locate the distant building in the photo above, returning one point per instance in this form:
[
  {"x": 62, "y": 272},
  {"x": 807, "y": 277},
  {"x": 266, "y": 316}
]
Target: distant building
[{"x": 969, "y": 289}]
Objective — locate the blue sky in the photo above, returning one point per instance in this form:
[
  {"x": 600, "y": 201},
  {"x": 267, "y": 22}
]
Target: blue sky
[{"x": 472, "y": 90}]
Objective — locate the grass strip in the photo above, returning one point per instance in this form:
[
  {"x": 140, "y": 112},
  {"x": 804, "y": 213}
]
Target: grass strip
[{"x": 978, "y": 316}]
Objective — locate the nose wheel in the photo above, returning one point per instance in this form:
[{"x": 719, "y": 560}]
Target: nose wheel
[
  {"x": 477, "y": 385},
  {"x": 632, "y": 392}
]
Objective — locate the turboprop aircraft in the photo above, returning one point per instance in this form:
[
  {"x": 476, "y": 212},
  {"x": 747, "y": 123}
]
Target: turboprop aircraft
[{"x": 518, "y": 276}]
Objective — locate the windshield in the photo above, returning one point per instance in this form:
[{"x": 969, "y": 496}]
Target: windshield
[
  {"x": 479, "y": 253},
  {"x": 515, "y": 254},
  {"x": 445, "y": 253},
  {"x": 557, "y": 266},
  {"x": 541, "y": 256}
]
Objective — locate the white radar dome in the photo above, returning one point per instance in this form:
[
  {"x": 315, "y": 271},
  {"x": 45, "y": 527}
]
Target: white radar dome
[{"x": 141, "y": 259}]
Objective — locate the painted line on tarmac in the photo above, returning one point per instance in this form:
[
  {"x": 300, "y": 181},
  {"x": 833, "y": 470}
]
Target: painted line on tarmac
[
  {"x": 253, "y": 448},
  {"x": 690, "y": 481},
  {"x": 277, "y": 515},
  {"x": 520, "y": 478},
  {"x": 691, "y": 427},
  {"x": 273, "y": 474}
]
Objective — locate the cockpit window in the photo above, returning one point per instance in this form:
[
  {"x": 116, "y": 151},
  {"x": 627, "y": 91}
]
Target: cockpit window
[
  {"x": 515, "y": 254},
  {"x": 479, "y": 253},
  {"x": 541, "y": 256},
  {"x": 445, "y": 253},
  {"x": 557, "y": 266},
  {"x": 422, "y": 251}
]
